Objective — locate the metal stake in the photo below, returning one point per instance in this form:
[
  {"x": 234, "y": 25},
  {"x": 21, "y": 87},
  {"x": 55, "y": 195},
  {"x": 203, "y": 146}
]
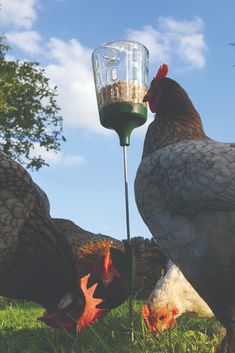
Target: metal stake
[{"x": 128, "y": 248}]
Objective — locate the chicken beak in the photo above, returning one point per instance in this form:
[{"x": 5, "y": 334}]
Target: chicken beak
[
  {"x": 65, "y": 301},
  {"x": 153, "y": 103},
  {"x": 146, "y": 97},
  {"x": 106, "y": 281},
  {"x": 57, "y": 320}
]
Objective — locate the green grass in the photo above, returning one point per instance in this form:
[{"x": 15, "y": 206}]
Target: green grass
[{"x": 21, "y": 332}]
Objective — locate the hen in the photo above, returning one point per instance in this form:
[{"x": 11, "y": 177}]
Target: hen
[
  {"x": 172, "y": 296},
  {"x": 43, "y": 260},
  {"x": 100, "y": 256},
  {"x": 185, "y": 192}
]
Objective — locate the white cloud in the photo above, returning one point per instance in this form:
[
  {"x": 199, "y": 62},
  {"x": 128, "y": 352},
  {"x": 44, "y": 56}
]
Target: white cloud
[
  {"x": 185, "y": 27},
  {"x": 56, "y": 158},
  {"x": 70, "y": 160},
  {"x": 19, "y": 13},
  {"x": 10, "y": 57},
  {"x": 191, "y": 49},
  {"x": 28, "y": 41},
  {"x": 72, "y": 73},
  {"x": 158, "y": 45},
  {"x": 179, "y": 42}
]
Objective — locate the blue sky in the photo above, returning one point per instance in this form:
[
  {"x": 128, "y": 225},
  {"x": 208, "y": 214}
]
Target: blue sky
[{"x": 85, "y": 181}]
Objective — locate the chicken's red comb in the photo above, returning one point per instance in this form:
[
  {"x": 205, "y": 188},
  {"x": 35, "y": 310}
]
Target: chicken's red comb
[
  {"x": 91, "y": 312},
  {"x": 162, "y": 72}
]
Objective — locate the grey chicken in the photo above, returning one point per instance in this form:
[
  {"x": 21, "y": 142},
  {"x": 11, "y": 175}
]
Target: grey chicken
[
  {"x": 185, "y": 193},
  {"x": 35, "y": 260}
]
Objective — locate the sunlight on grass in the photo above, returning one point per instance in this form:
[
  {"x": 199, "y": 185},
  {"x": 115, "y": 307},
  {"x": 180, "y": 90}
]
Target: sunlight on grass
[{"x": 21, "y": 332}]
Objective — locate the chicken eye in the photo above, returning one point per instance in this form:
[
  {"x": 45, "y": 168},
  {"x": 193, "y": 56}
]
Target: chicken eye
[{"x": 162, "y": 317}]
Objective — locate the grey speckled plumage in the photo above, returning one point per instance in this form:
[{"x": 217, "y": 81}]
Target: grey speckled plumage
[{"x": 185, "y": 193}]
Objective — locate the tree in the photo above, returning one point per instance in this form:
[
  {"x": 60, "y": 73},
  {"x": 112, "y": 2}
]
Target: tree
[{"x": 29, "y": 115}]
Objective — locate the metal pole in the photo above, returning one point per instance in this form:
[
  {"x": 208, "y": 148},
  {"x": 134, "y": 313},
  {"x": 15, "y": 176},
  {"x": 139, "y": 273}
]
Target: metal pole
[
  {"x": 126, "y": 195},
  {"x": 128, "y": 248}
]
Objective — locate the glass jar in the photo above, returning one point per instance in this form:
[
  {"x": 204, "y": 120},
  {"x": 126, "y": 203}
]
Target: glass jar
[{"x": 121, "y": 79}]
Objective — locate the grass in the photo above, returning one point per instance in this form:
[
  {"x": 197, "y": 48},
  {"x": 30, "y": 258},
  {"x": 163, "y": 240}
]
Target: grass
[{"x": 21, "y": 332}]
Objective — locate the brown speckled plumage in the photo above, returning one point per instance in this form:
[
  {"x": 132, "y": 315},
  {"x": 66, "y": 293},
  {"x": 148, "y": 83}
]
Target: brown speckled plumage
[
  {"x": 86, "y": 246},
  {"x": 43, "y": 259}
]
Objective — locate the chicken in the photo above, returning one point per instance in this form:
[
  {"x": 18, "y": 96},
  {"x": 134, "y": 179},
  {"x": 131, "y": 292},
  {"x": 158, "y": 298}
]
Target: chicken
[
  {"x": 101, "y": 256},
  {"x": 95, "y": 255},
  {"x": 172, "y": 296},
  {"x": 185, "y": 193},
  {"x": 38, "y": 261},
  {"x": 31, "y": 250}
]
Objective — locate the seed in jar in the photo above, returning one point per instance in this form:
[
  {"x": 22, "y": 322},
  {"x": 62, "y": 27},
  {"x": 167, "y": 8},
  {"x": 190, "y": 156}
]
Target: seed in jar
[{"x": 122, "y": 91}]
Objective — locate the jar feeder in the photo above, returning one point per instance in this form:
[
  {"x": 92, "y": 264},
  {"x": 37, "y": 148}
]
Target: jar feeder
[{"x": 121, "y": 79}]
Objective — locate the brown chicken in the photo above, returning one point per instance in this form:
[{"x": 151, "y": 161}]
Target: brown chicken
[
  {"x": 94, "y": 254},
  {"x": 67, "y": 270},
  {"x": 185, "y": 192}
]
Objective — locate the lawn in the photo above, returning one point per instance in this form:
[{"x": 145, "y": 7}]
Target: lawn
[{"x": 21, "y": 332}]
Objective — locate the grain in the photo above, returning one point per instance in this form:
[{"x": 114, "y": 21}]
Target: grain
[{"x": 121, "y": 91}]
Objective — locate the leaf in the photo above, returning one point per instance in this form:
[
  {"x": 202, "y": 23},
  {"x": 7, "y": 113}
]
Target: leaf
[{"x": 29, "y": 113}]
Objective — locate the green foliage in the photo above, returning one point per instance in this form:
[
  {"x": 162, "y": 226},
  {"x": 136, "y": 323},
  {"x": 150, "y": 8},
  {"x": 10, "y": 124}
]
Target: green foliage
[
  {"x": 29, "y": 113},
  {"x": 21, "y": 332}
]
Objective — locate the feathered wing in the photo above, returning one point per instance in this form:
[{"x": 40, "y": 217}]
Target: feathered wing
[
  {"x": 35, "y": 260},
  {"x": 186, "y": 195},
  {"x": 80, "y": 237},
  {"x": 194, "y": 176},
  {"x": 86, "y": 245}
]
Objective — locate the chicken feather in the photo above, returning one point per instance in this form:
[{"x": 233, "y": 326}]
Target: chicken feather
[{"x": 185, "y": 192}]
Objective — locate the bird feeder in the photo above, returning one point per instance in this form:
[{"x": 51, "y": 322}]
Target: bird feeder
[{"x": 121, "y": 80}]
